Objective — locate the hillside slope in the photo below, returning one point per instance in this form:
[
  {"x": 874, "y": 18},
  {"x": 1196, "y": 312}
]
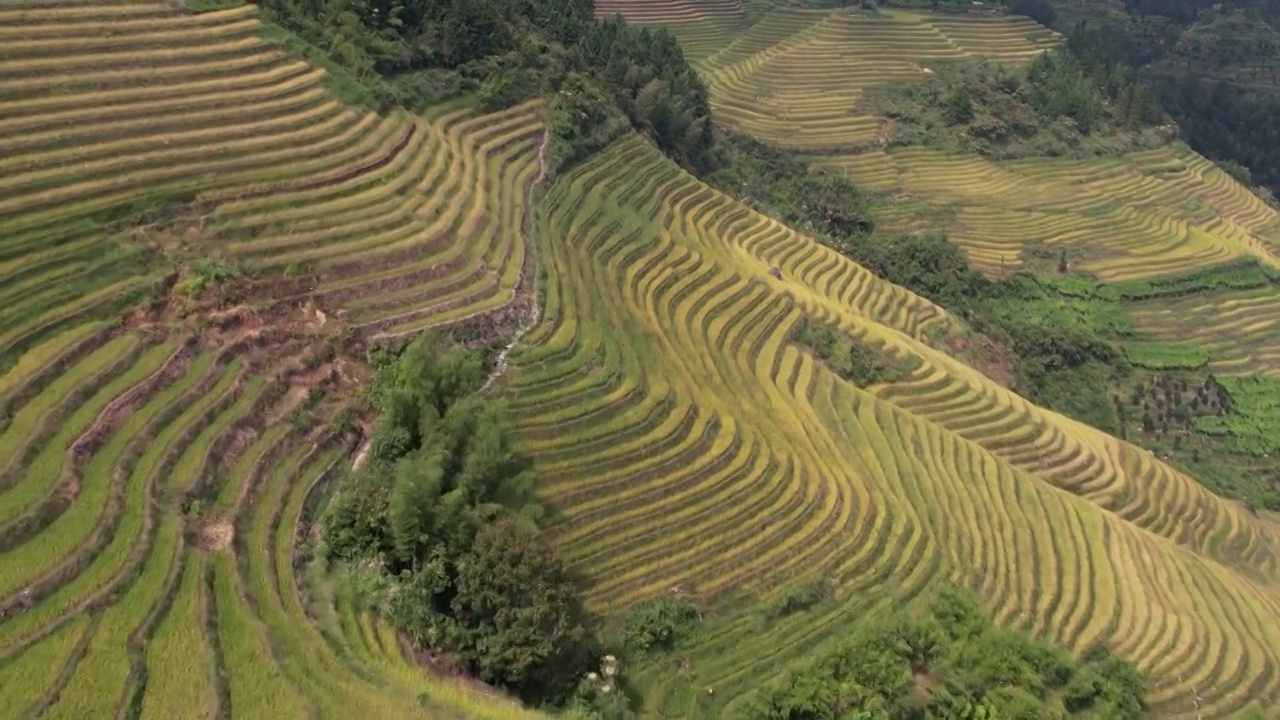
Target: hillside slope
[
  {"x": 160, "y": 474},
  {"x": 1214, "y": 64},
  {"x": 687, "y": 442},
  {"x": 1138, "y": 218},
  {"x": 202, "y": 235},
  {"x": 798, "y": 78}
]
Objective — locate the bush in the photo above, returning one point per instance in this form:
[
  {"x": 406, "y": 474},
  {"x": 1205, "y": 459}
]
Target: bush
[
  {"x": 951, "y": 662},
  {"x": 850, "y": 358},
  {"x": 660, "y": 624},
  {"x": 798, "y": 598}
]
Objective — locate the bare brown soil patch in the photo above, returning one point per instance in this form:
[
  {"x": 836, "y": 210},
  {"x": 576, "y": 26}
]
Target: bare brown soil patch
[{"x": 214, "y": 534}]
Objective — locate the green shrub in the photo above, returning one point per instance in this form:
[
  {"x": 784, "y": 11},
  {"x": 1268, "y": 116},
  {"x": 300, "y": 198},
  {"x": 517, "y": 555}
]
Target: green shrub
[
  {"x": 851, "y": 359},
  {"x": 798, "y": 598},
  {"x": 951, "y": 662},
  {"x": 660, "y": 624}
]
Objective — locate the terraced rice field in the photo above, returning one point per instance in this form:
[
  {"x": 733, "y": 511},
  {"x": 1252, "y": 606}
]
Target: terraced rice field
[
  {"x": 702, "y": 26},
  {"x": 1240, "y": 329},
  {"x": 1147, "y": 214},
  {"x": 686, "y": 442},
  {"x": 157, "y": 488},
  {"x": 796, "y": 77},
  {"x": 662, "y": 12}
]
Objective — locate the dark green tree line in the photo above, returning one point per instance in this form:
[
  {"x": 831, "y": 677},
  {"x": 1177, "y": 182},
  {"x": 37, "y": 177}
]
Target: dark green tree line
[
  {"x": 602, "y": 76},
  {"x": 1210, "y": 65}
]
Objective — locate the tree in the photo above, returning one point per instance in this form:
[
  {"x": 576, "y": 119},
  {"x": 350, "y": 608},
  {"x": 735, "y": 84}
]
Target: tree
[
  {"x": 960, "y": 107},
  {"x": 521, "y": 612}
]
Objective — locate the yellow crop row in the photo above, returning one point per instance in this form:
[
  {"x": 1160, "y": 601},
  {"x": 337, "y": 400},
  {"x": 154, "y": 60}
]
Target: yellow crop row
[
  {"x": 795, "y": 77},
  {"x": 144, "y": 111},
  {"x": 1144, "y": 215},
  {"x": 707, "y": 450}
]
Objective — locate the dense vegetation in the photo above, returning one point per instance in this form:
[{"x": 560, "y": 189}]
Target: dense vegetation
[
  {"x": 1070, "y": 103},
  {"x": 850, "y": 358},
  {"x": 605, "y": 77},
  {"x": 1213, "y": 66},
  {"x": 952, "y": 662},
  {"x": 442, "y": 515},
  {"x": 780, "y": 182}
]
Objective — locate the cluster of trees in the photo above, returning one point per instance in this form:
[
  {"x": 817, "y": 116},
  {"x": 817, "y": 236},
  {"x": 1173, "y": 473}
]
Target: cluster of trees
[
  {"x": 1088, "y": 59},
  {"x": 1077, "y": 102},
  {"x": 778, "y": 181},
  {"x": 1210, "y": 64},
  {"x": 952, "y": 662},
  {"x": 605, "y": 77},
  {"x": 443, "y": 513},
  {"x": 850, "y": 358},
  {"x": 1238, "y": 125}
]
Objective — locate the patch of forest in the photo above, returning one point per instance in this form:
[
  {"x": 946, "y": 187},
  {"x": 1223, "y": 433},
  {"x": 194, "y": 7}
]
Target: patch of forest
[
  {"x": 603, "y": 78},
  {"x": 1062, "y": 104},
  {"x": 1215, "y": 67}
]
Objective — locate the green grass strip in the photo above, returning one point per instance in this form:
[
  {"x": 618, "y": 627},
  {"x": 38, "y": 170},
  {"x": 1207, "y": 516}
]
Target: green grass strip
[
  {"x": 25, "y": 423},
  {"x": 113, "y": 559},
  {"x": 17, "y": 569},
  {"x": 230, "y": 492},
  {"x": 39, "y": 357},
  {"x": 258, "y": 687},
  {"x": 1166, "y": 356},
  {"x": 27, "y": 677},
  {"x": 188, "y": 469},
  {"x": 101, "y": 678},
  {"x": 44, "y": 473},
  {"x": 180, "y": 662},
  {"x": 303, "y": 655}
]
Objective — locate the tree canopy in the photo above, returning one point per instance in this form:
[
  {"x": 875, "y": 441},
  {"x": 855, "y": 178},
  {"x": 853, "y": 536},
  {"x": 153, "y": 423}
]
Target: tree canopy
[
  {"x": 444, "y": 512},
  {"x": 951, "y": 661},
  {"x": 602, "y": 76}
]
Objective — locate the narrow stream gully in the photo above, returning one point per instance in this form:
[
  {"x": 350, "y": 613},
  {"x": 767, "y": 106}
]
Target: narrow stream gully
[{"x": 528, "y": 276}]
